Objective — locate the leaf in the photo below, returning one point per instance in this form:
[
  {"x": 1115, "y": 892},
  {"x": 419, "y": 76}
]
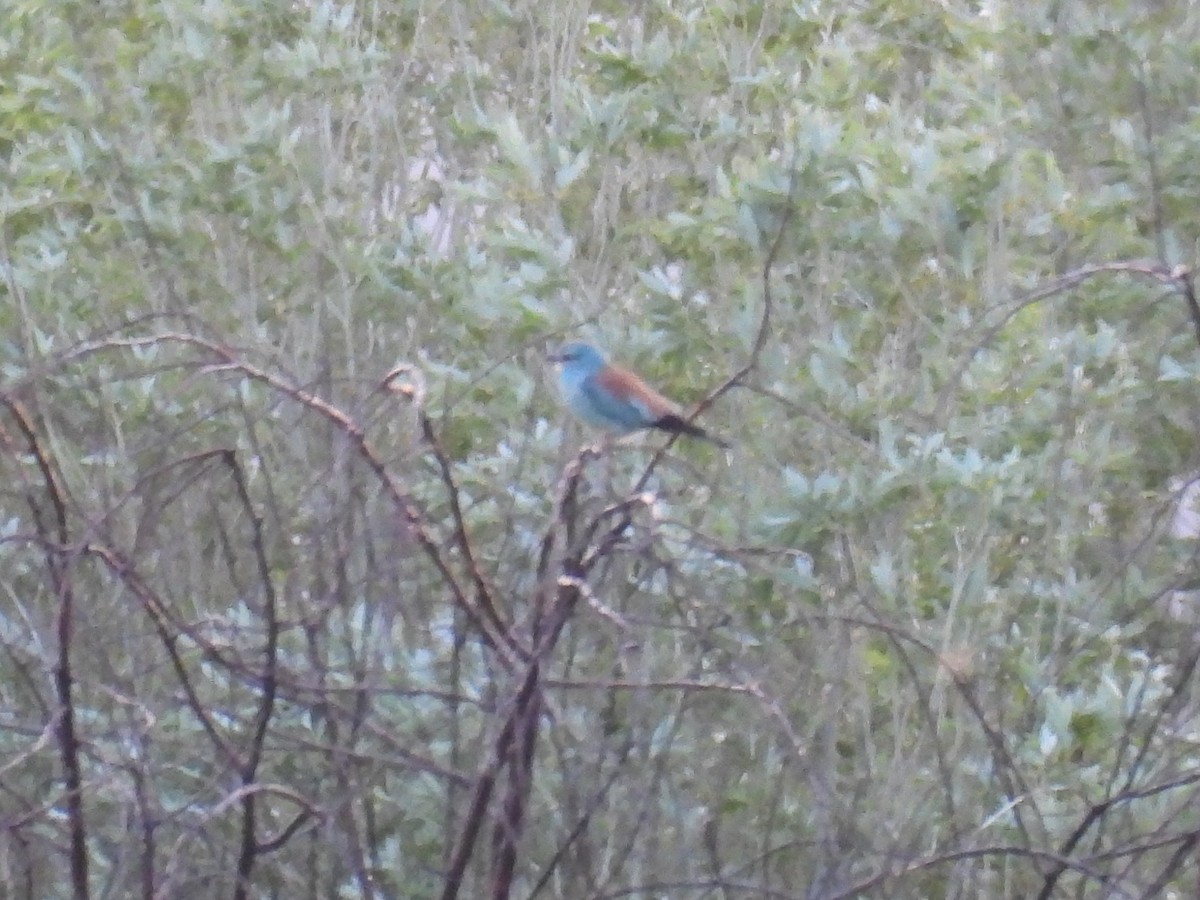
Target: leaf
[
  {"x": 517, "y": 149},
  {"x": 567, "y": 175},
  {"x": 1170, "y": 370}
]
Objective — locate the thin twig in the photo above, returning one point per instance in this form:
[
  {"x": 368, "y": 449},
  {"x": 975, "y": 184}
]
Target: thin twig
[{"x": 58, "y": 566}]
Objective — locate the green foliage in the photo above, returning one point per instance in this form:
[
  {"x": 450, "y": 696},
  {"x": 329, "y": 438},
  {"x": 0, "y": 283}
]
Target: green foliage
[{"x": 902, "y": 641}]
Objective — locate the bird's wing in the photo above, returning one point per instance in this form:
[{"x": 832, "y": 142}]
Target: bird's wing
[{"x": 630, "y": 399}]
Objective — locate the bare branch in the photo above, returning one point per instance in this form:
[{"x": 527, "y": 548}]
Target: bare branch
[{"x": 58, "y": 568}]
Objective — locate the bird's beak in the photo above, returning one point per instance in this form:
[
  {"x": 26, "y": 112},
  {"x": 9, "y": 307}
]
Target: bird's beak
[{"x": 555, "y": 356}]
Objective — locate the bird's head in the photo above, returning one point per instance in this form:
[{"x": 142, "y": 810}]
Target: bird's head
[{"x": 578, "y": 355}]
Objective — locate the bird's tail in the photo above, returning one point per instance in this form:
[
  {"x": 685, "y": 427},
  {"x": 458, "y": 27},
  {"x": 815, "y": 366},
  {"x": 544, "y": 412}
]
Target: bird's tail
[{"x": 678, "y": 425}]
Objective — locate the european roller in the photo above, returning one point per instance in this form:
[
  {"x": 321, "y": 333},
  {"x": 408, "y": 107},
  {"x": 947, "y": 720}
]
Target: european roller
[{"x": 615, "y": 399}]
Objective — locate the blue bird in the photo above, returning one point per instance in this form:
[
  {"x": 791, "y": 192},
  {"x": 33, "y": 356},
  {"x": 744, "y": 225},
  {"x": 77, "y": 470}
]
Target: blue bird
[{"x": 613, "y": 398}]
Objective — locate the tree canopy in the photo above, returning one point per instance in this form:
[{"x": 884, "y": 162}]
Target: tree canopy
[{"x": 312, "y": 588}]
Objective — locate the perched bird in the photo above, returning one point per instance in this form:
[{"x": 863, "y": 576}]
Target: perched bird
[{"x": 615, "y": 399}]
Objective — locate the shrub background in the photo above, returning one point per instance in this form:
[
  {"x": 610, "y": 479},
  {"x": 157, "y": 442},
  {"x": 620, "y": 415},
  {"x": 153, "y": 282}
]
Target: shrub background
[{"x": 924, "y": 632}]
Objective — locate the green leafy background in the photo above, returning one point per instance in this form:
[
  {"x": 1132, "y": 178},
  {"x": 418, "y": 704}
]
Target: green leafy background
[{"x": 923, "y": 620}]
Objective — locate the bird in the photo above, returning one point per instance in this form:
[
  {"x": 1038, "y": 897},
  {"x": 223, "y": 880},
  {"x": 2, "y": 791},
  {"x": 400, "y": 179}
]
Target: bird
[{"x": 615, "y": 399}]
